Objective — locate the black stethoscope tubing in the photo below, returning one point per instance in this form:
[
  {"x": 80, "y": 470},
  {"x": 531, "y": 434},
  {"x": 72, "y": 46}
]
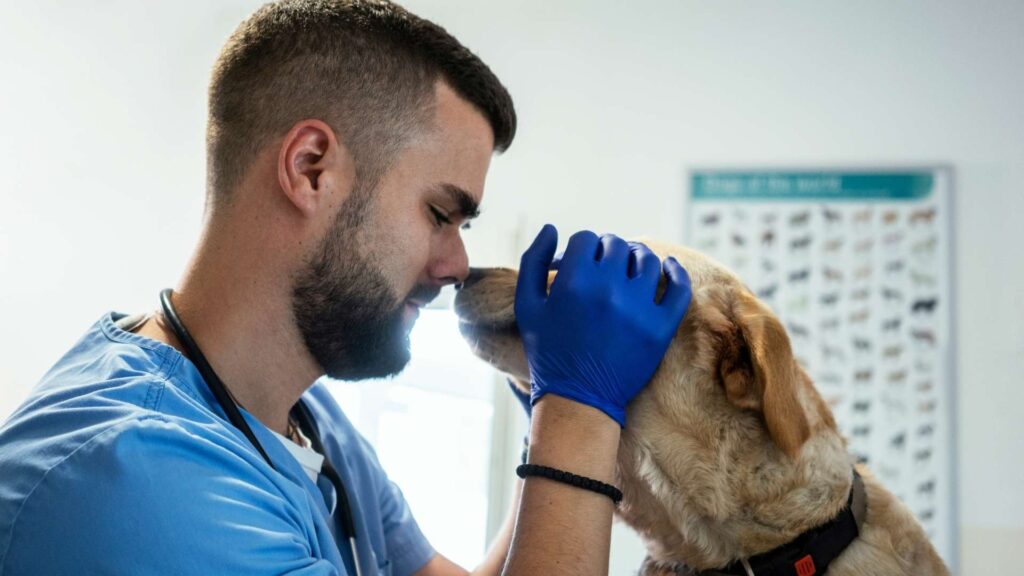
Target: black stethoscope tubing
[{"x": 300, "y": 412}]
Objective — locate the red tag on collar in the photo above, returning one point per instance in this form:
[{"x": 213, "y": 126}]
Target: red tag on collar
[{"x": 805, "y": 566}]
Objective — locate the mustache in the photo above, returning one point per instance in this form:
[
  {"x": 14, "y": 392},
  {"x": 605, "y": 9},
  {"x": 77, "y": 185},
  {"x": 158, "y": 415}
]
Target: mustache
[{"x": 423, "y": 293}]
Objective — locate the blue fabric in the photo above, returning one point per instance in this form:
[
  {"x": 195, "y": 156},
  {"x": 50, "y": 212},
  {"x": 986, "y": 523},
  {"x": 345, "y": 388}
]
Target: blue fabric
[{"x": 121, "y": 462}]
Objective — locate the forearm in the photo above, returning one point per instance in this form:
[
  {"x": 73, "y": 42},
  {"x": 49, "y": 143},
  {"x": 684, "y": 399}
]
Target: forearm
[{"x": 562, "y": 529}]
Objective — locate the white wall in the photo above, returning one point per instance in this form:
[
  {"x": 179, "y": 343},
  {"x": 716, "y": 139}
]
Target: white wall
[{"x": 101, "y": 156}]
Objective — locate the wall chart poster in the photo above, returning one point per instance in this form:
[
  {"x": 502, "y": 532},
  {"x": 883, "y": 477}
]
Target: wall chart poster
[{"x": 857, "y": 264}]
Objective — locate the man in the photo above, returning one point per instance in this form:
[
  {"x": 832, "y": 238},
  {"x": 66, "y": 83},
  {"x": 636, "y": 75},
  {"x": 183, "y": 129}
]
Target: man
[{"x": 348, "y": 142}]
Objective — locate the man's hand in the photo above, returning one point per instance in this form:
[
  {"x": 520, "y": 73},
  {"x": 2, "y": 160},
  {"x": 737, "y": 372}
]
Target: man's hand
[{"x": 599, "y": 335}]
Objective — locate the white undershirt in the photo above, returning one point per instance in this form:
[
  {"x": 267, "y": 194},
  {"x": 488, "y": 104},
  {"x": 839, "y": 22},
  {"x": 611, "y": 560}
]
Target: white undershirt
[{"x": 311, "y": 461}]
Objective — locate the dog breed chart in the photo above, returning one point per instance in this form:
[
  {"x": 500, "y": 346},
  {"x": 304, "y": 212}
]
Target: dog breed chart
[{"x": 857, "y": 266}]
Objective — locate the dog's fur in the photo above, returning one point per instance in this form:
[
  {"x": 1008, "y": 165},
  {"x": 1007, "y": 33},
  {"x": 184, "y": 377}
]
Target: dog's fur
[{"x": 729, "y": 451}]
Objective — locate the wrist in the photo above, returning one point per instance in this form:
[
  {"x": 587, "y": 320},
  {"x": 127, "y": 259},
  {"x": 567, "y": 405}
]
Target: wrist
[
  {"x": 584, "y": 398},
  {"x": 575, "y": 437}
]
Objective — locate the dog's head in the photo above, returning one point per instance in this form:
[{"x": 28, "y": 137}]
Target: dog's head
[{"x": 729, "y": 429}]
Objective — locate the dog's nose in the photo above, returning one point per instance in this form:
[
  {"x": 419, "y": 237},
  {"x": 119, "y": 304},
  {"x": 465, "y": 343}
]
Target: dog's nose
[{"x": 475, "y": 274}]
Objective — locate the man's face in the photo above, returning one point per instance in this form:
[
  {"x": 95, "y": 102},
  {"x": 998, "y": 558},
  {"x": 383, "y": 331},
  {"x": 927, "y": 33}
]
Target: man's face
[{"x": 391, "y": 249}]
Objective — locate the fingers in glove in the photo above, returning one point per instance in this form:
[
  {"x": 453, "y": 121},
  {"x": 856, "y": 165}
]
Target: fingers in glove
[
  {"x": 614, "y": 252},
  {"x": 678, "y": 291},
  {"x": 578, "y": 259},
  {"x": 532, "y": 285},
  {"x": 647, "y": 267}
]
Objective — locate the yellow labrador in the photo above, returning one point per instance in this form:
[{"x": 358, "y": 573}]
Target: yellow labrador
[{"x": 730, "y": 462}]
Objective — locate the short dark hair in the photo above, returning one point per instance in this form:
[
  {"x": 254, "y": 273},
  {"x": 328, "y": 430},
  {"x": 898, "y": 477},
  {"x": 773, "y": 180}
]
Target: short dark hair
[{"x": 366, "y": 67}]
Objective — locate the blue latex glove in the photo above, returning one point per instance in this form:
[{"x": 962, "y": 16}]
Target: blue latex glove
[{"x": 599, "y": 336}]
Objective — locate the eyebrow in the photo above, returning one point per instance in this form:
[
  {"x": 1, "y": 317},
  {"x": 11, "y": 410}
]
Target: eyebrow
[{"x": 468, "y": 208}]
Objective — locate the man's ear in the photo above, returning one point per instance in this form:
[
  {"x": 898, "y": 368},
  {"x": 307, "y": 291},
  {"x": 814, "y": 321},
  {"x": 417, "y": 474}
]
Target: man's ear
[
  {"x": 313, "y": 167},
  {"x": 759, "y": 372}
]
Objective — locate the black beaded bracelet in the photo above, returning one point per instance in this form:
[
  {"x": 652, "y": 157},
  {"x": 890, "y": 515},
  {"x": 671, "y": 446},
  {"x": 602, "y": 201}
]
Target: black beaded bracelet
[{"x": 571, "y": 479}]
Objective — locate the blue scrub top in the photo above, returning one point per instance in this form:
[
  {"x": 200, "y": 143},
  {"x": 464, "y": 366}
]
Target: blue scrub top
[{"x": 122, "y": 462}]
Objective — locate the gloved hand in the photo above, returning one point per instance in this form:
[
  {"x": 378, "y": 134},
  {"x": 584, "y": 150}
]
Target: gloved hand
[{"x": 599, "y": 335}]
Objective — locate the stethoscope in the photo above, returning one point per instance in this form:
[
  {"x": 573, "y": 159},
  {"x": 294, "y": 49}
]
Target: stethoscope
[{"x": 300, "y": 412}]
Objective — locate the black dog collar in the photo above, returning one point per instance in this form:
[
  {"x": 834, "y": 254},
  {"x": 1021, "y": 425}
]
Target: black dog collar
[{"x": 811, "y": 552}]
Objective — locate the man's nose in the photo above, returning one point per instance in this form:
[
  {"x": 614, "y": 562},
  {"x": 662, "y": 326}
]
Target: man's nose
[
  {"x": 474, "y": 276},
  {"x": 449, "y": 261}
]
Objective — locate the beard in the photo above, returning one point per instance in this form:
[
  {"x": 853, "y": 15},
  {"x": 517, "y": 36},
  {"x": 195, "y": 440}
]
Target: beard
[{"x": 349, "y": 316}]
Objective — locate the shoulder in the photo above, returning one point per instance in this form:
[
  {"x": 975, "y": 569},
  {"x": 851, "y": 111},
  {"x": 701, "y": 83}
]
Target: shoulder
[
  {"x": 118, "y": 455},
  {"x": 111, "y": 410},
  {"x": 154, "y": 486},
  {"x": 106, "y": 400},
  {"x": 148, "y": 459}
]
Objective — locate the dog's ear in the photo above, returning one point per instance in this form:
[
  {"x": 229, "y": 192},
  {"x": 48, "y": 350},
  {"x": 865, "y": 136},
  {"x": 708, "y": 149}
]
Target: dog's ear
[{"x": 759, "y": 372}]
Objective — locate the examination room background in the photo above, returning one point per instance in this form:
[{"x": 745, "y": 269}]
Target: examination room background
[{"x": 102, "y": 111}]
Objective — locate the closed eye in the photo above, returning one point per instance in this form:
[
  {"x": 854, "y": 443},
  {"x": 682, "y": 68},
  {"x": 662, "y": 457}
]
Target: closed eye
[{"x": 441, "y": 219}]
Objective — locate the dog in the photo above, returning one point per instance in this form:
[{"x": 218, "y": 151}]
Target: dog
[{"x": 729, "y": 456}]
